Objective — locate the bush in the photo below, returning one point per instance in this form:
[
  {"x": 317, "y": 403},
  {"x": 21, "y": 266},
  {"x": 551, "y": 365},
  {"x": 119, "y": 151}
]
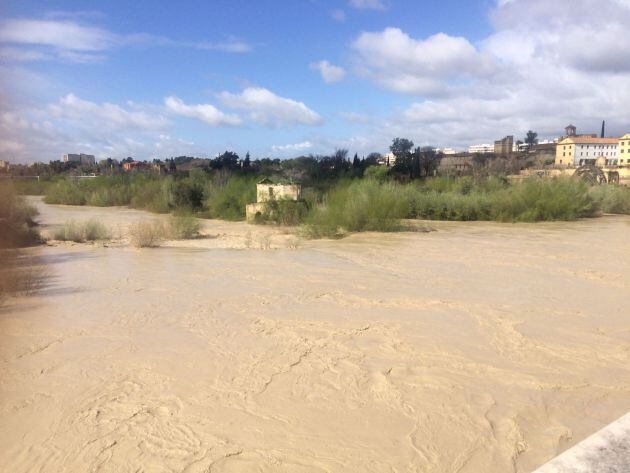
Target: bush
[
  {"x": 92, "y": 230},
  {"x": 545, "y": 199},
  {"x": 152, "y": 194},
  {"x": 183, "y": 227},
  {"x": 612, "y": 199},
  {"x": 228, "y": 201},
  {"x": 360, "y": 206},
  {"x": 17, "y": 228},
  {"x": 284, "y": 212},
  {"x": 66, "y": 192},
  {"x": 144, "y": 234}
]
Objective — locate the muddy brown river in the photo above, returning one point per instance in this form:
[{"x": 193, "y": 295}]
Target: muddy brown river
[{"x": 479, "y": 347}]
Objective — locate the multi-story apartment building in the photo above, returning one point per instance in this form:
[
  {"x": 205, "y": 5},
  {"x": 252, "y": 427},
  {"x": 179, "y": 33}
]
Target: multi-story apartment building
[
  {"x": 623, "y": 150},
  {"x": 577, "y": 150},
  {"x": 481, "y": 149},
  {"x": 504, "y": 146},
  {"x": 88, "y": 159}
]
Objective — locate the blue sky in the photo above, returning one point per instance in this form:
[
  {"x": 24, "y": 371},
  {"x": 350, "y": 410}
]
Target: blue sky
[{"x": 283, "y": 78}]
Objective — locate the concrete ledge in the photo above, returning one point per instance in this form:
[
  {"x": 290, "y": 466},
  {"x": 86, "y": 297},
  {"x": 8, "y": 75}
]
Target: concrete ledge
[{"x": 606, "y": 451}]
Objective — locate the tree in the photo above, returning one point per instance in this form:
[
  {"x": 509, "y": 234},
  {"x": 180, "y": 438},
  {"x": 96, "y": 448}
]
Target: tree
[
  {"x": 227, "y": 160},
  {"x": 372, "y": 159},
  {"x": 356, "y": 163},
  {"x": 429, "y": 161},
  {"x": 531, "y": 139},
  {"x": 247, "y": 161},
  {"x": 401, "y": 149}
]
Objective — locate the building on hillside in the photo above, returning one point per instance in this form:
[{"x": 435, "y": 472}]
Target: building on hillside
[
  {"x": 131, "y": 165},
  {"x": 87, "y": 159},
  {"x": 4, "y": 165},
  {"x": 623, "y": 150},
  {"x": 545, "y": 152},
  {"x": 481, "y": 149},
  {"x": 504, "y": 146},
  {"x": 455, "y": 164},
  {"x": 267, "y": 191},
  {"x": 446, "y": 151},
  {"x": 578, "y": 150}
]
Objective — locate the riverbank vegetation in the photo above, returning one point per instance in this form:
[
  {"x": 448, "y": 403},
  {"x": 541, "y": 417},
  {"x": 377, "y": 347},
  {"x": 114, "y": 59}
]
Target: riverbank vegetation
[
  {"x": 19, "y": 273},
  {"x": 375, "y": 202},
  {"x": 338, "y": 194}
]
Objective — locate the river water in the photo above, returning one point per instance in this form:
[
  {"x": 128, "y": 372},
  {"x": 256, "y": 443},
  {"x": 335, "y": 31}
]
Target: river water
[{"x": 478, "y": 347}]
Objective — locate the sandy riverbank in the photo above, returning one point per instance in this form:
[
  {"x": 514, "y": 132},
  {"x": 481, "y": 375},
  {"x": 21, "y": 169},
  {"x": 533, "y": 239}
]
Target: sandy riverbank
[{"x": 478, "y": 347}]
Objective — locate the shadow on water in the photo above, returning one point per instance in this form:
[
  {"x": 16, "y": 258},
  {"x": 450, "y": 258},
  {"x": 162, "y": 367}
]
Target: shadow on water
[{"x": 28, "y": 274}]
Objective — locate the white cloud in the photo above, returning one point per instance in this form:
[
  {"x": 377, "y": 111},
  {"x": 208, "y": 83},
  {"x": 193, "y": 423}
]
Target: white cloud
[
  {"x": 264, "y": 107},
  {"x": 401, "y": 63},
  {"x": 45, "y": 134},
  {"x": 329, "y": 72},
  {"x": 68, "y": 40},
  {"x": 293, "y": 147},
  {"x": 106, "y": 116},
  {"x": 207, "y": 113},
  {"x": 368, "y": 4},
  {"x": 546, "y": 64},
  {"x": 64, "y": 35}
]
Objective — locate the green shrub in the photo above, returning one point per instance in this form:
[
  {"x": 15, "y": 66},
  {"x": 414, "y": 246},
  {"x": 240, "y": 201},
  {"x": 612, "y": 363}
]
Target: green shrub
[
  {"x": 183, "y": 227},
  {"x": 612, "y": 199},
  {"x": 66, "y": 192},
  {"x": 152, "y": 194},
  {"x": 228, "y": 201},
  {"x": 284, "y": 212},
  {"x": 545, "y": 199},
  {"x": 360, "y": 206}
]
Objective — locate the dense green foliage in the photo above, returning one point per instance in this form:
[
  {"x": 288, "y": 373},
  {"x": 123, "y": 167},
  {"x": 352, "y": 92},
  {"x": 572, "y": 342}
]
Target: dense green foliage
[
  {"x": 366, "y": 205},
  {"x": 375, "y": 202},
  {"x": 227, "y": 199}
]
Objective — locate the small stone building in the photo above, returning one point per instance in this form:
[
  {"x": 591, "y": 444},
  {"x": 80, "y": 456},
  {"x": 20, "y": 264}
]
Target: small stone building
[{"x": 267, "y": 190}]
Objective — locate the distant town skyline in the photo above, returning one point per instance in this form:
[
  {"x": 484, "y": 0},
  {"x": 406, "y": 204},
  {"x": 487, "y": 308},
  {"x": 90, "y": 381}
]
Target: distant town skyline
[{"x": 285, "y": 78}]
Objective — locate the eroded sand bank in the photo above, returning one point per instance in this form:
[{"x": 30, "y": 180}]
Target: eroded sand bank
[{"x": 476, "y": 348}]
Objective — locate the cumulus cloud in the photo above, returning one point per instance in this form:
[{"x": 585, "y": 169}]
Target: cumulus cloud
[
  {"x": 418, "y": 66},
  {"x": 589, "y": 35},
  {"x": 368, "y": 4},
  {"x": 545, "y": 64},
  {"x": 329, "y": 72},
  {"x": 207, "y": 113},
  {"x": 109, "y": 116},
  {"x": 66, "y": 39},
  {"x": 266, "y": 108},
  {"x": 75, "y": 125}
]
